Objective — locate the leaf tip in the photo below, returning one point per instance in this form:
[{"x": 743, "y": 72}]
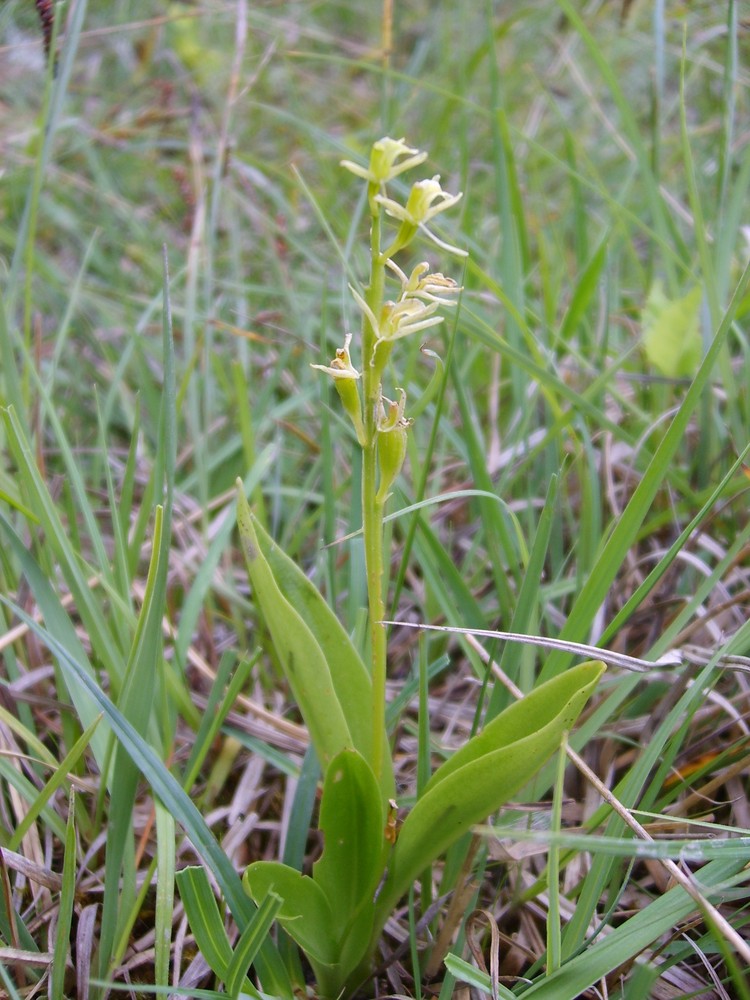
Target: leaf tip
[{"x": 245, "y": 524}]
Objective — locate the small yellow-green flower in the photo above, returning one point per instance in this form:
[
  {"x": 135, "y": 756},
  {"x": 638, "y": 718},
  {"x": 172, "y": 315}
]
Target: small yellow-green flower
[
  {"x": 421, "y": 284},
  {"x": 341, "y": 367},
  {"x": 406, "y": 316},
  {"x": 383, "y": 161},
  {"x": 391, "y": 414},
  {"x": 345, "y": 377},
  {"x": 426, "y": 200},
  {"x": 399, "y": 319}
]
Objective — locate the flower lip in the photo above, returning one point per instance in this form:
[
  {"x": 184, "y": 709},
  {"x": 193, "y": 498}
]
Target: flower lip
[{"x": 341, "y": 366}]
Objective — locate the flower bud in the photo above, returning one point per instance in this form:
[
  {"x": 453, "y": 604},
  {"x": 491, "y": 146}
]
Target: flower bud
[
  {"x": 384, "y": 161},
  {"x": 392, "y": 429}
]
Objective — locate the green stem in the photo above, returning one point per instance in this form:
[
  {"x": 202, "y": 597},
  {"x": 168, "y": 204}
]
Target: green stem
[
  {"x": 373, "y": 534},
  {"x": 372, "y": 510}
]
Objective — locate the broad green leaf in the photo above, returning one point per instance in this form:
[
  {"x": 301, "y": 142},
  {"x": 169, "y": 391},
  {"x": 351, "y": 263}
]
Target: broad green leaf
[
  {"x": 528, "y": 715},
  {"x": 354, "y": 946},
  {"x": 352, "y": 820},
  {"x": 305, "y": 913},
  {"x": 301, "y": 656},
  {"x": 671, "y": 335},
  {"x": 349, "y": 675},
  {"x": 484, "y": 774}
]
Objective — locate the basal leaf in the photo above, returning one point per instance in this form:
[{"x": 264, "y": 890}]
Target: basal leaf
[
  {"x": 490, "y": 769},
  {"x": 300, "y": 654},
  {"x": 538, "y": 709},
  {"x": 352, "y": 819},
  {"x": 349, "y": 675},
  {"x": 305, "y": 913}
]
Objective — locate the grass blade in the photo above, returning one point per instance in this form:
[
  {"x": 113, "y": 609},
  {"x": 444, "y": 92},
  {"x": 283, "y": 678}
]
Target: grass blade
[
  {"x": 165, "y": 880},
  {"x": 173, "y": 798},
  {"x": 625, "y": 530},
  {"x": 65, "y": 910},
  {"x": 204, "y": 919}
]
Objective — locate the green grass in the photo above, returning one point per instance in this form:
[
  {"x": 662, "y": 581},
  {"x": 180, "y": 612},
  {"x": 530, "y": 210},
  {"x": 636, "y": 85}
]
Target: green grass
[{"x": 582, "y": 494}]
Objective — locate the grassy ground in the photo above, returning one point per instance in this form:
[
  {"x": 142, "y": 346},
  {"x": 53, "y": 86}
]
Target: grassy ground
[{"x": 582, "y": 486}]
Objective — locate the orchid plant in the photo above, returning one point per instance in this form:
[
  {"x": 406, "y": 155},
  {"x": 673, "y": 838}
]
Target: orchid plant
[{"x": 337, "y": 914}]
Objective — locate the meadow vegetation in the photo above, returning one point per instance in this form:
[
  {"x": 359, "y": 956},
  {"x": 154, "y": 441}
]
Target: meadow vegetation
[{"x": 177, "y": 238}]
